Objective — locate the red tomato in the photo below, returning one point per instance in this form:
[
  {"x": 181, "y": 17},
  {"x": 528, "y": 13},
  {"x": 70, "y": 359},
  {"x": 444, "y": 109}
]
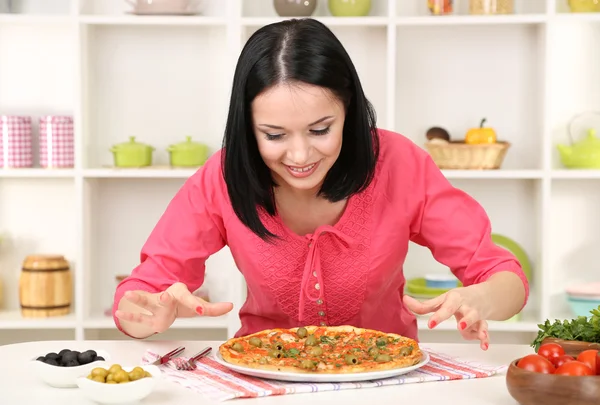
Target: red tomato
[
  {"x": 551, "y": 351},
  {"x": 574, "y": 368},
  {"x": 590, "y": 359},
  {"x": 559, "y": 361},
  {"x": 536, "y": 363}
]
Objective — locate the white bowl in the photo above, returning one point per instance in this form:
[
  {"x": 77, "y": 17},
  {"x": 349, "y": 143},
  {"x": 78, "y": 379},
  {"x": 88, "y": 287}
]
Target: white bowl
[
  {"x": 65, "y": 377},
  {"x": 120, "y": 393}
]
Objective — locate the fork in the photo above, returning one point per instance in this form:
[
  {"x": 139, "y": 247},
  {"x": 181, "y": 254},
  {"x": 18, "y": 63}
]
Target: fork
[{"x": 190, "y": 364}]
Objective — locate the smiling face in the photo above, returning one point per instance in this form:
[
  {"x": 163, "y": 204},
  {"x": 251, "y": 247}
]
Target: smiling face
[{"x": 298, "y": 128}]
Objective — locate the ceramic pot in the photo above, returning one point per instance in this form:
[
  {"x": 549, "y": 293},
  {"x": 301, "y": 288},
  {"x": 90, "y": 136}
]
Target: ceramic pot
[
  {"x": 132, "y": 154},
  {"x": 188, "y": 153},
  {"x": 349, "y": 8},
  {"x": 584, "y": 6},
  {"x": 295, "y": 8}
]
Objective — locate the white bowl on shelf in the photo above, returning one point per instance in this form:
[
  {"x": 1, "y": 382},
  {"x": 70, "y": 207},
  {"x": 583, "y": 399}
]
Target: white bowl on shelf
[
  {"x": 584, "y": 290},
  {"x": 64, "y": 377},
  {"x": 129, "y": 392}
]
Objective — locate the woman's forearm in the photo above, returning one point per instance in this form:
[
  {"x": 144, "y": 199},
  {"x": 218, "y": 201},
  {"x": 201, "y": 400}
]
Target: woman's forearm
[{"x": 503, "y": 295}]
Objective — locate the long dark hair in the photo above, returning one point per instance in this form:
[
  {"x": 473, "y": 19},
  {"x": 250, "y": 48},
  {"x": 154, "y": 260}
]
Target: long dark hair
[{"x": 304, "y": 51}]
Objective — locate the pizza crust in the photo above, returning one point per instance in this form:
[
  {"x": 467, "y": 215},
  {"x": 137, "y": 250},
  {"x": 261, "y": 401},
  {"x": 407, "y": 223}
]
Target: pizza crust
[{"x": 248, "y": 359}]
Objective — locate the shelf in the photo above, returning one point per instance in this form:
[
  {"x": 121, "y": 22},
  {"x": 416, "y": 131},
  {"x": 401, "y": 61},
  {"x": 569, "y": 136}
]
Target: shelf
[
  {"x": 160, "y": 172},
  {"x": 494, "y": 174},
  {"x": 563, "y": 174},
  {"x": 162, "y": 78},
  {"x": 151, "y": 20},
  {"x": 14, "y": 320},
  {"x": 330, "y": 21},
  {"x": 105, "y": 322},
  {"x": 36, "y": 19},
  {"x": 527, "y": 324},
  {"x": 37, "y": 173},
  {"x": 471, "y": 20}
]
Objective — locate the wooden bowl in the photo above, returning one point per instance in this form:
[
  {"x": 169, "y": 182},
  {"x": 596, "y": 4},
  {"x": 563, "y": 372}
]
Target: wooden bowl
[
  {"x": 530, "y": 388},
  {"x": 573, "y": 347}
]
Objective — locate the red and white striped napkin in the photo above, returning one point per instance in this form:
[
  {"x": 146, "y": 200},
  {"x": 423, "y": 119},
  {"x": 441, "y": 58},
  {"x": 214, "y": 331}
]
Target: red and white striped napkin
[{"x": 221, "y": 384}]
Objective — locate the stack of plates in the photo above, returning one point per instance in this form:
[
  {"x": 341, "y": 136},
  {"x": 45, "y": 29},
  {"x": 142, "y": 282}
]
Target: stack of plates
[{"x": 583, "y": 298}]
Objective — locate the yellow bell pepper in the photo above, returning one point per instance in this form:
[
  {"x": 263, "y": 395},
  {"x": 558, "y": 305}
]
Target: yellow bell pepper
[{"x": 480, "y": 135}]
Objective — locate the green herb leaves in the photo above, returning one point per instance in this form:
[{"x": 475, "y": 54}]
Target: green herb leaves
[{"x": 582, "y": 328}]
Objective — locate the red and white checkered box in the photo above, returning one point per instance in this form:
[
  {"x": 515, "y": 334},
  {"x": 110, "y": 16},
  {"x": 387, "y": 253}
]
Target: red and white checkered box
[
  {"x": 56, "y": 141},
  {"x": 16, "y": 144}
]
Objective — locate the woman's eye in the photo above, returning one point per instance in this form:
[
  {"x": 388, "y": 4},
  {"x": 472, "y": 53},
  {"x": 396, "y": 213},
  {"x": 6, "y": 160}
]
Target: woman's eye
[
  {"x": 323, "y": 131},
  {"x": 271, "y": 137}
]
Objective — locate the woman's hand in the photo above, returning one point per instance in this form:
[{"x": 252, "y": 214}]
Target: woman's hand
[
  {"x": 468, "y": 305},
  {"x": 157, "y": 312}
]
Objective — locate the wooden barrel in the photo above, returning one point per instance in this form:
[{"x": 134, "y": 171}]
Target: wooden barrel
[{"x": 45, "y": 286}]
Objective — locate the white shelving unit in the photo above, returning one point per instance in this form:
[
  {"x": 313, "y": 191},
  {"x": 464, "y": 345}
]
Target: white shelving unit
[{"x": 163, "y": 77}]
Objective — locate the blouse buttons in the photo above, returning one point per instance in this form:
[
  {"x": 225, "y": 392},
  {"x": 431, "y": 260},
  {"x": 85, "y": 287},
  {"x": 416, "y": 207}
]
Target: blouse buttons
[
  {"x": 314, "y": 274},
  {"x": 319, "y": 302},
  {"x": 323, "y": 324},
  {"x": 321, "y": 313},
  {"x": 317, "y": 286}
]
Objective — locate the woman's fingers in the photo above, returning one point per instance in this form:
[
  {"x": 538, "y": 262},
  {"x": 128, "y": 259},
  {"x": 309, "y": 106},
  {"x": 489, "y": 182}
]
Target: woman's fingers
[
  {"x": 141, "y": 299},
  {"x": 449, "y": 307},
  {"x": 201, "y": 307},
  {"x": 134, "y": 317},
  {"x": 425, "y": 307}
]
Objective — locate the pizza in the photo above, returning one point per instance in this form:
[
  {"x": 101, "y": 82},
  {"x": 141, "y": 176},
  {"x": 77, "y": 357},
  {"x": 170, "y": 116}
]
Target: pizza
[{"x": 322, "y": 350}]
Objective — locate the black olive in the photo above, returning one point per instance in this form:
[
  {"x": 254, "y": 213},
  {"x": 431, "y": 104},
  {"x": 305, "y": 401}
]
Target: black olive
[
  {"x": 99, "y": 358},
  {"x": 52, "y": 355},
  {"x": 63, "y": 352},
  {"x": 85, "y": 358},
  {"x": 72, "y": 363},
  {"x": 41, "y": 358},
  {"x": 51, "y": 361}
]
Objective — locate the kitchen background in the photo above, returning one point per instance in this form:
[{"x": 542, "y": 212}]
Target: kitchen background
[{"x": 88, "y": 87}]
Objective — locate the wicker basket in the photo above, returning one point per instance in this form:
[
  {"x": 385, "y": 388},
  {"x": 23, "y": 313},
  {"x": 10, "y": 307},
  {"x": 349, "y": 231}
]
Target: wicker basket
[{"x": 459, "y": 155}]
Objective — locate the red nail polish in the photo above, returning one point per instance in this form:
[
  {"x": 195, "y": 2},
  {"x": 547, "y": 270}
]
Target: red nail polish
[
  {"x": 462, "y": 325},
  {"x": 485, "y": 346},
  {"x": 432, "y": 324},
  {"x": 199, "y": 310}
]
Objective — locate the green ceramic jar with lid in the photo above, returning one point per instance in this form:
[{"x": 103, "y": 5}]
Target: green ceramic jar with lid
[
  {"x": 187, "y": 153},
  {"x": 132, "y": 154}
]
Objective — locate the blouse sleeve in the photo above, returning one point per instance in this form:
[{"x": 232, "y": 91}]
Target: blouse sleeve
[
  {"x": 457, "y": 230},
  {"x": 190, "y": 230}
]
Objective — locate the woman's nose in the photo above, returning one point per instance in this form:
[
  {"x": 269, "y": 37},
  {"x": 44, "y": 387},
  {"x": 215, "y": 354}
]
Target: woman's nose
[{"x": 299, "y": 150}]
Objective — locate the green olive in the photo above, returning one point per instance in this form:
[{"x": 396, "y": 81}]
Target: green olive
[
  {"x": 301, "y": 332},
  {"x": 254, "y": 341},
  {"x": 238, "y": 347},
  {"x": 381, "y": 342},
  {"x": 350, "y": 359},
  {"x": 382, "y": 358},
  {"x": 311, "y": 341},
  {"x": 316, "y": 351},
  {"x": 406, "y": 350},
  {"x": 276, "y": 354},
  {"x": 373, "y": 351},
  {"x": 262, "y": 360},
  {"x": 278, "y": 346},
  {"x": 307, "y": 364}
]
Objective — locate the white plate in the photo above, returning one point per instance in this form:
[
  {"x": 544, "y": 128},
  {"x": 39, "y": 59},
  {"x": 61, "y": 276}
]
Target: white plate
[{"x": 317, "y": 378}]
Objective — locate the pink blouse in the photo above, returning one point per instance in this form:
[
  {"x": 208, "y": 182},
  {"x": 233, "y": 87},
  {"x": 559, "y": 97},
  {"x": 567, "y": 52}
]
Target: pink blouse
[{"x": 346, "y": 274}]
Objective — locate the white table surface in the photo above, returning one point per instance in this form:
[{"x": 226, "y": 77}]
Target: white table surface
[{"x": 19, "y": 387}]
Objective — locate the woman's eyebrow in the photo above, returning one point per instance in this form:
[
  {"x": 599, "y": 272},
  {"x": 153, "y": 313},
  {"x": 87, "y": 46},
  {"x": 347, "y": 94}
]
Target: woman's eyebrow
[{"x": 310, "y": 125}]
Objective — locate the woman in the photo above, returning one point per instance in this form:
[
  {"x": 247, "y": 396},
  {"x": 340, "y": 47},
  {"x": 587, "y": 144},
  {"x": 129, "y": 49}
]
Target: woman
[{"x": 317, "y": 206}]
